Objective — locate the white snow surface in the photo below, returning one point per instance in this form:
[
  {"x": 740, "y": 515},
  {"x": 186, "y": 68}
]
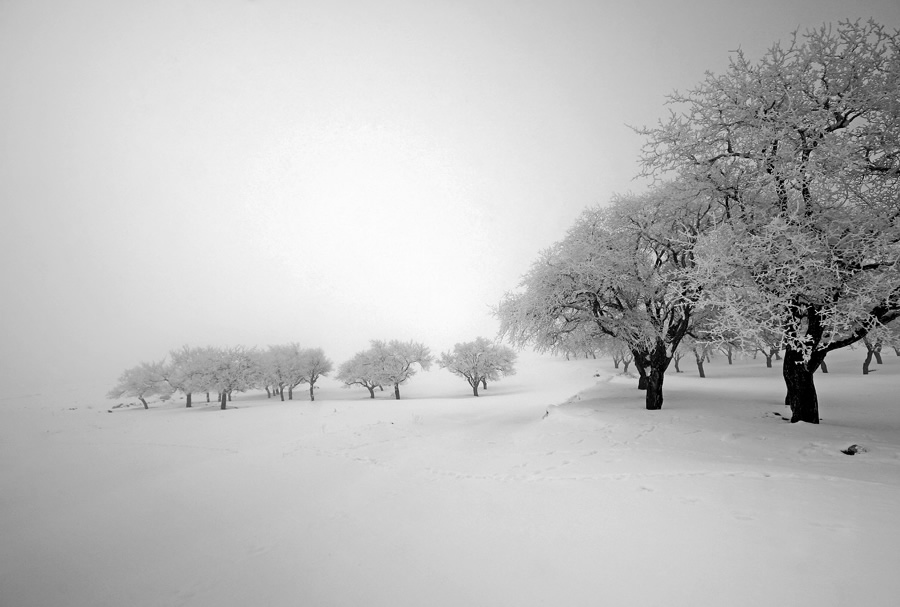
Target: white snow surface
[{"x": 554, "y": 488}]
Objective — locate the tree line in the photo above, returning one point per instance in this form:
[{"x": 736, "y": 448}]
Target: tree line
[
  {"x": 280, "y": 369},
  {"x": 773, "y": 222}
]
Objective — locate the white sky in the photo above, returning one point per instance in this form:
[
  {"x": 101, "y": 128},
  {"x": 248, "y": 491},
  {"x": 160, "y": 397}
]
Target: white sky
[{"x": 324, "y": 172}]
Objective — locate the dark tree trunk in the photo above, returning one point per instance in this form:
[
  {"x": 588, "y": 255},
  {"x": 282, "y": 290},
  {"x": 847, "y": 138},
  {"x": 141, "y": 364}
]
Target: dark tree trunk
[
  {"x": 483, "y": 383},
  {"x": 777, "y": 355},
  {"x": 144, "y": 402},
  {"x": 312, "y": 395},
  {"x": 728, "y": 353},
  {"x": 474, "y": 388},
  {"x": 768, "y": 360},
  {"x": 699, "y": 356},
  {"x": 207, "y": 397},
  {"x": 877, "y": 352},
  {"x": 268, "y": 392},
  {"x": 654, "y": 398},
  {"x": 867, "y": 361},
  {"x": 801, "y": 389},
  {"x": 281, "y": 392},
  {"x": 677, "y": 361},
  {"x": 291, "y": 393},
  {"x": 397, "y": 391},
  {"x": 224, "y": 398},
  {"x": 640, "y": 363},
  {"x": 616, "y": 361},
  {"x": 896, "y": 350},
  {"x": 229, "y": 395},
  {"x": 659, "y": 362},
  {"x": 187, "y": 398},
  {"x": 625, "y": 364},
  {"x": 824, "y": 367},
  {"x": 371, "y": 391}
]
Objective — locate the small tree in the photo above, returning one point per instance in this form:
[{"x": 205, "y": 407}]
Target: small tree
[
  {"x": 188, "y": 371},
  {"x": 234, "y": 369},
  {"x": 141, "y": 382},
  {"x": 396, "y": 361},
  {"x": 360, "y": 371},
  {"x": 314, "y": 364},
  {"x": 479, "y": 361}
]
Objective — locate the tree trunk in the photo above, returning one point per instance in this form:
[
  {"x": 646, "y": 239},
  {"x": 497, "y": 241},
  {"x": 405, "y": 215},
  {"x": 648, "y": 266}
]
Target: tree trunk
[
  {"x": 281, "y": 392},
  {"x": 824, "y": 367},
  {"x": 207, "y": 397},
  {"x": 868, "y": 360},
  {"x": 224, "y": 398},
  {"x": 483, "y": 383},
  {"x": 475, "y": 388},
  {"x": 143, "y": 401},
  {"x": 801, "y": 389},
  {"x": 658, "y": 363},
  {"x": 187, "y": 399},
  {"x": 312, "y": 395},
  {"x": 677, "y": 360},
  {"x": 625, "y": 363},
  {"x": 229, "y": 395},
  {"x": 640, "y": 360},
  {"x": 654, "y": 397},
  {"x": 616, "y": 362},
  {"x": 699, "y": 356},
  {"x": 877, "y": 352},
  {"x": 371, "y": 391},
  {"x": 268, "y": 392},
  {"x": 290, "y": 393},
  {"x": 896, "y": 350},
  {"x": 397, "y": 391},
  {"x": 768, "y": 360}
]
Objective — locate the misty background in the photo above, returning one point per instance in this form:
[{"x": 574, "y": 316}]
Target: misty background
[{"x": 234, "y": 172}]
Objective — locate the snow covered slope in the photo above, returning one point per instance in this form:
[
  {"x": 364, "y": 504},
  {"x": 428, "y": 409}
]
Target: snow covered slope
[{"x": 554, "y": 488}]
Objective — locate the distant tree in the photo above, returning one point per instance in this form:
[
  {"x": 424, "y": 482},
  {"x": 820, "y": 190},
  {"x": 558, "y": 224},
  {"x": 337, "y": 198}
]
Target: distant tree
[
  {"x": 189, "y": 370},
  {"x": 141, "y": 382},
  {"x": 280, "y": 368},
  {"x": 234, "y": 369},
  {"x": 360, "y": 370},
  {"x": 396, "y": 362},
  {"x": 479, "y": 361},
  {"x": 314, "y": 364}
]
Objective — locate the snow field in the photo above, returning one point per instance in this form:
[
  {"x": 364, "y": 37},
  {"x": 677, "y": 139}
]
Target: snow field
[{"x": 445, "y": 499}]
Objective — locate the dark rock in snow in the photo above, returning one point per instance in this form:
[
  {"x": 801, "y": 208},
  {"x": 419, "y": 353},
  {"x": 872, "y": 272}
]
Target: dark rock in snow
[{"x": 853, "y": 450}]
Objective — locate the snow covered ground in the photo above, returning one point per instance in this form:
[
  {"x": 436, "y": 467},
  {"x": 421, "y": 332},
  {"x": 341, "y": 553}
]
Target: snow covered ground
[{"x": 554, "y": 488}]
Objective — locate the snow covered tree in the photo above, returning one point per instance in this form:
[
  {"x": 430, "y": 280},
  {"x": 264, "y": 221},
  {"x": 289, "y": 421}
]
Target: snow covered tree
[
  {"x": 234, "y": 369},
  {"x": 141, "y": 382},
  {"x": 479, "y": 361},
  {"x": 620, "y": 269},
  {"x": 189, "y": 370},
  {"x": 396, "y": 362},
  {"x": 314, "y": 364},
  {"x": 360, "y": 370},
  {"x": 804, "y": 148}
]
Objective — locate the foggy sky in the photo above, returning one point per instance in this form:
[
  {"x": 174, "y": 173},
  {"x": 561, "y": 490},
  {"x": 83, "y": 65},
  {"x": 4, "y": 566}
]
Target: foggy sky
[{"x": 217, "y": 173}]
